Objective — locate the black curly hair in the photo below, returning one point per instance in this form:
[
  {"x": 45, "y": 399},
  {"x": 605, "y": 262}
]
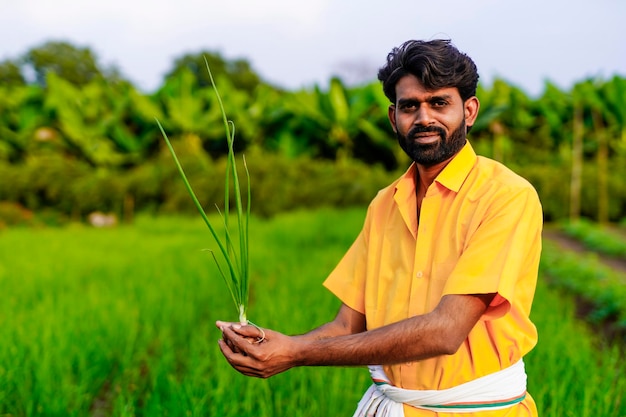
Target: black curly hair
[{"x": 437, "y": 64}]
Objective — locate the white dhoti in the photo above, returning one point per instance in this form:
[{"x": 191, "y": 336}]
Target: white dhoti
[{"x": 495, "y": 391}]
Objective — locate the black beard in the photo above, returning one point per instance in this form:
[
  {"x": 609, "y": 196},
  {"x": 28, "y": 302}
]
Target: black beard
[{"x": 432, "y": 153}]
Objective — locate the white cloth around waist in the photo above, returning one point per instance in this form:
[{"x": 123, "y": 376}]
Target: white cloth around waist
[{"x": 498, "y": 390}]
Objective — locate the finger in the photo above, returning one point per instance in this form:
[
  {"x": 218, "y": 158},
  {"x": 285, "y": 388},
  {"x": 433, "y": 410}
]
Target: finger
[
  {"x": 233, "y": 347},
  {"x": 253, "y": 332},
  {"x": 237, "y": 337},
  {"x": 223, "y": 324},
  {"x": 237, "y": 342},
  {"x": 239, "y": 362},
  {"x": 235, "y": 358}
]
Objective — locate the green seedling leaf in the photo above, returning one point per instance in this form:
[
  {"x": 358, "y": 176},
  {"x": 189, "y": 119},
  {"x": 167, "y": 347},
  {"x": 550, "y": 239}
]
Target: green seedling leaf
[{"x": 237, "y": 273}]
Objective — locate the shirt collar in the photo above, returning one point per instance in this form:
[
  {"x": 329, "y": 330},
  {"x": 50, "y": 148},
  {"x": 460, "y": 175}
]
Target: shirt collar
[
  {"x": 451, "y": 177},
  {"x": 454, "y": 174}
]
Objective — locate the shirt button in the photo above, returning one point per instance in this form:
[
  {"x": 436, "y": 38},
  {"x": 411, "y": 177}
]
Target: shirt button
[{"x": 419, "y": 274}]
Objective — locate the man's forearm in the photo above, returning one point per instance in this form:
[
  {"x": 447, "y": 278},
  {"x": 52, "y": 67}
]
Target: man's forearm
[
  {"x": 325, "y": 331},
  {"x": 347, "y": 321},
  {"x": 406, "y": 341},
  {"x": 439, "y": 332}
]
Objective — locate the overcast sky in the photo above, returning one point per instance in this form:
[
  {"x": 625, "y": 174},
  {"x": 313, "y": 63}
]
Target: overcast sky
[{"x": 301, "y": 43}]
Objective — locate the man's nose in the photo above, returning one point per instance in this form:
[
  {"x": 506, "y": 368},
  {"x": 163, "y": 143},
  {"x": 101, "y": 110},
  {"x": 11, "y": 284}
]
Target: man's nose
[{"x": 423, "y": 116}]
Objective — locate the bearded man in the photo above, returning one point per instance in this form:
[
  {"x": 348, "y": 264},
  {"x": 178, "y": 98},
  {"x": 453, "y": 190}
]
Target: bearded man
[{"x": 437, "y": 288}]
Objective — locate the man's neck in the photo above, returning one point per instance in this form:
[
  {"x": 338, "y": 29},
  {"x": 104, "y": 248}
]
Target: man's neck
[{"x": 425, "y": 175}]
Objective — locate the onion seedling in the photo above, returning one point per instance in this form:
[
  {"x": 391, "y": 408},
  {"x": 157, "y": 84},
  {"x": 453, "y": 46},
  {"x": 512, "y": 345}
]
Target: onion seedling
[{"x": 236, "y": 274}]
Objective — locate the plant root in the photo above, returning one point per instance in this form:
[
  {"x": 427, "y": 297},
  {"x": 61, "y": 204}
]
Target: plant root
[{"x": 262, "y": 337}]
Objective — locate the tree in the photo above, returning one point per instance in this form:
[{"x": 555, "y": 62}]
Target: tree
[
  {"x": 239, "y": 71},
  {"x": 613, "y": 93},
  {"x": 577, "y": 161},
  {"x": 11, "y": 74},
  {"x": 606, "y": 108},
  {"x": 76, "y": 65}
]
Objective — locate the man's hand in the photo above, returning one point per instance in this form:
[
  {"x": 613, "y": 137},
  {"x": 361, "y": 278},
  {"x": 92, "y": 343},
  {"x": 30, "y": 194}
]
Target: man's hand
[
  {"x": 240, "y": 345},
  {"x": 344, "y": 341}
]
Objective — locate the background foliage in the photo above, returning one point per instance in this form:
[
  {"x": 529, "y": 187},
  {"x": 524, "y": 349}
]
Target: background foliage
[{"x": 76, "y": 138}]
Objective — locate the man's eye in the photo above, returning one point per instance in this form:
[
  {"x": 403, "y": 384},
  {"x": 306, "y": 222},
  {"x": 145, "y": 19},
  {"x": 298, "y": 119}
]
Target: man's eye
[{"x": 439, "y": 103}]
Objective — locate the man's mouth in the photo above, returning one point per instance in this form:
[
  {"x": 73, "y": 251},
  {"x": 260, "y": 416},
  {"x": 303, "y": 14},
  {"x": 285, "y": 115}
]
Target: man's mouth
[{"x": 426, "y": 138}]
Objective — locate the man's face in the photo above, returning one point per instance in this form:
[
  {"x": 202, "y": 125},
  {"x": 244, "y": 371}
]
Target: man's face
[{"x": 430, "y": 124}]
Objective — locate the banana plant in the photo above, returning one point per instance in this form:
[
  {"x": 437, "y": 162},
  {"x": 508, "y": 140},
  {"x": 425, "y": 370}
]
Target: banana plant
[
  {"x": 83, "y": 117},
  {"x": 507, "y": 118},
  {"x": 605, "y": 108},
  {"x": 262, "y": 122},
  {"x": 20, "y": 121},
  {"x": 130, "y": 127},
  {"x": 191, "y": 110},
  {"x": 578, "y": 132},
  {"x": 613, "y": 94},
  {"x": 554, "y": 118},
  {"x": 329, "y": 122}
]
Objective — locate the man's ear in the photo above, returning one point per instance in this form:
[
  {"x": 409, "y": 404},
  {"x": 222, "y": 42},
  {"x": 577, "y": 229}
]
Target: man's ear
[
  {"x": 471, "y": 107},
  {"x": 391, "y": 113}
]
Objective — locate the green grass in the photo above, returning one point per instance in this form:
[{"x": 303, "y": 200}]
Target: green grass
[
  {"x": 573, "y": 371},
  {"x": 120, "y": 322},
  {"x": 601, "y": 239},
  {"x": 583, "y": 275}
]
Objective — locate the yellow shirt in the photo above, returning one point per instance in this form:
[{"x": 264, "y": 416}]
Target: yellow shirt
[{"x": 479, "y": 232}]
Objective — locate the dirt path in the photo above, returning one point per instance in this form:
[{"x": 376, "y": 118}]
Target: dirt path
[
  {"x": 567, "y": 243},
  {"x": 609, "y": 327}
]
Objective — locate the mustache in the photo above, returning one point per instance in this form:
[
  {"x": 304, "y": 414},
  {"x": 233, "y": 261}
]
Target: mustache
[{"x": 426, "y": 129}]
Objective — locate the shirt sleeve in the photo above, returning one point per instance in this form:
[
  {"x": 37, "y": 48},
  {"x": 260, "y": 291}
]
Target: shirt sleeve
[{"x": 502, "y": 254}]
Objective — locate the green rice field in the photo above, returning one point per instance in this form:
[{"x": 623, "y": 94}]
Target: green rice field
[{"x": 120, "y": 322}]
